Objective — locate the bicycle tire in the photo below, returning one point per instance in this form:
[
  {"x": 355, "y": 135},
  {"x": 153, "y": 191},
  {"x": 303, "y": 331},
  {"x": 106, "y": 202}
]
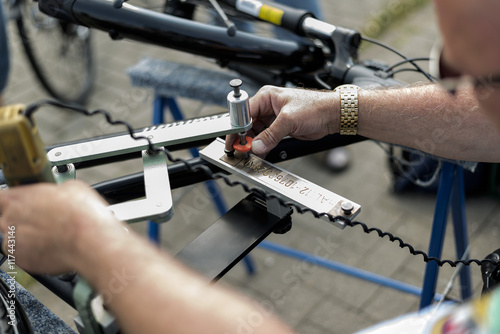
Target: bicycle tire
[
  {"x": 68, "y": 75},
  {"x": 22, "y": 324}
]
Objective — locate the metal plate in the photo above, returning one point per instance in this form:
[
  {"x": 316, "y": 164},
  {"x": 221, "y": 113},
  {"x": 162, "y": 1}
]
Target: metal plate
[
  {"x": 160, "y": 135},
  {"x": 214, "y": 252},
  {"x": 274, "y": 179}
]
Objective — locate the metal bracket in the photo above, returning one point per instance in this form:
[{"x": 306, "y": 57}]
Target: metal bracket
[
  {"x": 158, "y": 205},
  {"x": 276, "y": 180}
]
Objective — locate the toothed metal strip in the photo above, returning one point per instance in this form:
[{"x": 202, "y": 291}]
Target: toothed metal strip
[{"x": 161, "y": 135}]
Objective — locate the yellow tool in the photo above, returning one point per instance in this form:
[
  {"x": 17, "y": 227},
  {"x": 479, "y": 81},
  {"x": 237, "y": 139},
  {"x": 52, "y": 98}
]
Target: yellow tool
[{"x": 23, "y": 158}]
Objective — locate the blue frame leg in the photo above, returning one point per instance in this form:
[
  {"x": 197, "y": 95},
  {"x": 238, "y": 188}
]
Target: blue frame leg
[
  {"x": 438, "y": 232},
  {"x": 451, "y": 195},
  {"x": 460, "y": 231}
]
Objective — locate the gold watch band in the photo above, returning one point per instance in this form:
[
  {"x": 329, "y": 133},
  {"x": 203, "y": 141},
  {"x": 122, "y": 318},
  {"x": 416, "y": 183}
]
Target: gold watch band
[{"x": 348, "y": 109}]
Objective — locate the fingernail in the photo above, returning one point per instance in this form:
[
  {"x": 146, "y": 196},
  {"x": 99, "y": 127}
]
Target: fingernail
[{"x": 258, "y": 147}]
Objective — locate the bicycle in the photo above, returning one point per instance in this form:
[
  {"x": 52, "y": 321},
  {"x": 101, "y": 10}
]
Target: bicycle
[
  {"x": 367, "y": 74},
  {"x": 59, "y": 53}
]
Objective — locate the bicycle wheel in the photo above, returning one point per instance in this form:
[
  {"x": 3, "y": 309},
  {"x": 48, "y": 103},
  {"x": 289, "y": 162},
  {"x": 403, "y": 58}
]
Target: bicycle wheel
[{"x": 59, "y": 52}]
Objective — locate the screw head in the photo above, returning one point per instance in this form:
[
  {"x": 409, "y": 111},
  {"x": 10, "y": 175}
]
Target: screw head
[
  {"x": 236, "y": 84},
  {"x": 347, "y": 207}
]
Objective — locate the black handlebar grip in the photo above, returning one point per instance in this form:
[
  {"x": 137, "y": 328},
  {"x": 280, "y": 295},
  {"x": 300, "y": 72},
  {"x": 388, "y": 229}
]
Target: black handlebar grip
[
  {"x": 61, "y": 9},
  {"x": 292, "y": 18}
]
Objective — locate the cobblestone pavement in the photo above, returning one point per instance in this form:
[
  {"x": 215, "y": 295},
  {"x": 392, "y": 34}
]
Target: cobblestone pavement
[{"x": 309, "y": 298}]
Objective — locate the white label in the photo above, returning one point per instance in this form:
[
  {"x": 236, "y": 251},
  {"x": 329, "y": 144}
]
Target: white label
[{"x": 251, "y": 7}]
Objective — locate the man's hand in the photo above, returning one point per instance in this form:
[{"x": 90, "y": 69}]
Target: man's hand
[
  {"x": 66, "y": 227},
  {"x": 50, "y": 220},
  {"x": 279, "y": 112}
]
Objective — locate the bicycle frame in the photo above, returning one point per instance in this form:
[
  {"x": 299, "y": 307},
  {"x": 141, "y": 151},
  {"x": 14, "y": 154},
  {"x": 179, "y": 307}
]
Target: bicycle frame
[{"x": 185, "y": 35}]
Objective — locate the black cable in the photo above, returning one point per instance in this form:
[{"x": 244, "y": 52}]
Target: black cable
[
  {"x": 406, "y": 70},
  {"x": 256, "y": 190},
  {"x": 30, "y": 109},
  {"x": 402, "y": 62},
  {"x": 412, "y": 250},
  {"x": 321, "y": 82},
  {"x": 373, "y": 41}
]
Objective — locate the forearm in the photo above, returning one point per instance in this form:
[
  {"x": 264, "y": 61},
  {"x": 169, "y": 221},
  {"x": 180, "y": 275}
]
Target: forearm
[
  {"x": 150, "y": 292},
  {"x": 429, "y": 119}
]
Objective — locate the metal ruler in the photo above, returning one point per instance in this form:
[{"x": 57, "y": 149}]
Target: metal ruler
[{"x": 275, "y": 180}]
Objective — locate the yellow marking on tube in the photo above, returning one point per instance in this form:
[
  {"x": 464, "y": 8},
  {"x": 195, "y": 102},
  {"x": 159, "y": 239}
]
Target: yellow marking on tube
[{"x": 271, "y": 14}]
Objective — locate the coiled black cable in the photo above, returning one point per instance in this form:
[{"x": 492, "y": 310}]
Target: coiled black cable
[{"x": 260, "y": 192}]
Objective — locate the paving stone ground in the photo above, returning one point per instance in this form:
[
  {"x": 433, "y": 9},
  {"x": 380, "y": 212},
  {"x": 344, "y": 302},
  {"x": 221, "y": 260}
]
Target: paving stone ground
[{"x": 309, "y": 298}]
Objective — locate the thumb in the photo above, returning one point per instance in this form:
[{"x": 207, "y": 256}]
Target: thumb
[{"x": 269, "y": 138}]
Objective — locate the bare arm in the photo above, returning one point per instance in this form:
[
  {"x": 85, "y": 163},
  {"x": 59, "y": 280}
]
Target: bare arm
[
  {"x": 429, "y": 119},
  {"x": 148, "y": 291},
  {"x": 423, "y": 117},
  {"x": 155, "y": 294}
]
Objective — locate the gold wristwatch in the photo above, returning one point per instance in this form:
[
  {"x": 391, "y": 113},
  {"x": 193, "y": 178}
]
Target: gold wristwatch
[{"x": 348, "y": 109}]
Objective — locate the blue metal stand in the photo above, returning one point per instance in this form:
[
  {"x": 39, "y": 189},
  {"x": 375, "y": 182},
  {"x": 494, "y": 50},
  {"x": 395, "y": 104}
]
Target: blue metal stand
[
  {"x": 451, "y": 195},
  {"x": 160, "y": 103}
]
